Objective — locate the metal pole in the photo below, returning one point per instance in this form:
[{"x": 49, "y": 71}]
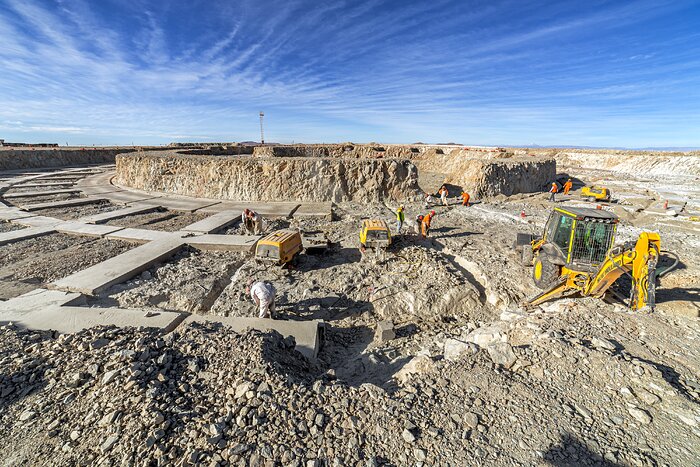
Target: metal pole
[{"x": 262, "y": 135}]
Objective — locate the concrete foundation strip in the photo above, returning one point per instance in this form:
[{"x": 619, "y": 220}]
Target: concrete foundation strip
[{"x": 54, "y": 310}]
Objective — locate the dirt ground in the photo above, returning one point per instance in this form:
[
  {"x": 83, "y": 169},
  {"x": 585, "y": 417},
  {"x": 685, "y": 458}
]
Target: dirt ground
[
  {"x": 163, "y": 220},
  {"x": 76, "y": 212},
  {"x": 32, "y": 263},
  {"x": 189, "y": 282},
  {"x": 473, "y": 376},
  {"x": 9, "y": 227}
]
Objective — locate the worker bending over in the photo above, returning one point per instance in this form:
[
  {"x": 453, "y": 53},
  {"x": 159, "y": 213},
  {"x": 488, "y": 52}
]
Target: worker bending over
[
  {"x": 429, "y": 201},
  {"x": 257, "y": 221},
  {"x": 252, "y": 221},
  {"x": 465, "y": 199},
  {"x": 553, "y": 191},
  {"x": 419, "y": 224},
  {"x": 443, "y": 195},
  {"x": 400, "y": 217},
  {"x": 263, "y": 294},
  {"x": 567, "y": 186},
  {"x": 427, "y": 219}
]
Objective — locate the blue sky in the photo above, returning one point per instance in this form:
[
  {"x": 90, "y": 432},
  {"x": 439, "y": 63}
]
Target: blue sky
[{"x": 598, "y": 73}]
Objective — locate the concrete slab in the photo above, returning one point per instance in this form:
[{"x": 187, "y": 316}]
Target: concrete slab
[
  {"x": 10, "y": 214},
  {"x": 38, "y": 221},
  {"x": 62, "y": 204},
  {"x": 215, "y": 222},
  {"x": 103, "y": 275},
  {"x": 88, "y": 230},
  {"x": 181, "y": 204},
  {"x": 308, "y": 335},
  {"x": 101, "y": 179},
  {"x": 269, "y": 210},
  {"x": 52, "y": 310},
  {"x": 24, "y": 234},
  {"x": 99, "y": 190},
  {"x": 42, "y": 185},
  {"x": 127, "y": 197},
  {"x": 32, "y": 194},
  {"x": 109, "y": 215},
  {"x": 223, "y": 242},
  {"x": 319, "y": 210},
  {"x": 140, "y": 235},
  {"x": 39, "y": 298}
]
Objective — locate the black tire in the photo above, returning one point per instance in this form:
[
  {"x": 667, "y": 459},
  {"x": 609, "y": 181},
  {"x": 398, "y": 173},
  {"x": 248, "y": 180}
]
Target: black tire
[
  {"x": 544, "y": 273},
  {"x": 526, "y": 255}
]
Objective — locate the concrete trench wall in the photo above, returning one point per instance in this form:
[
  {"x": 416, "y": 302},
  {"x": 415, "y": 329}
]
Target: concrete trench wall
[
  {"x": 40, "y": 158},
  {"x": 269, "y": 179}
]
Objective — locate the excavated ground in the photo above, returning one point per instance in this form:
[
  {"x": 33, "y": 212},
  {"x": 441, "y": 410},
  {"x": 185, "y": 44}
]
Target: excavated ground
[
  {"x": 163, "y": 220},
  {"x": 469, "y": 377},
  {"x": 189, "y": 282},
  {"x": 76, "y": 212},
  {"x": 29, "y": 264},
  {"x": 9, "y": 227}
]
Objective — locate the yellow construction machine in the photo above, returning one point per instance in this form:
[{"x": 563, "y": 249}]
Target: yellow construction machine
[
  {"x": 375, "y": 234},
  {"x": 596, "y": 193},
  {"x": 282, "y": 246},
  {"x": 575, "y": 254}
]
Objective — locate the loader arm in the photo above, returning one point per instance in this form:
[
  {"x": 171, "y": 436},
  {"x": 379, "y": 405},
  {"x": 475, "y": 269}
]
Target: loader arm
[{"x": 639, "y": 262}]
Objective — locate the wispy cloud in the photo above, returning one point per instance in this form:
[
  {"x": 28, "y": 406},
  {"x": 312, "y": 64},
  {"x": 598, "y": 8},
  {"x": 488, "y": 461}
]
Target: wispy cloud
[{"x": 507, "y": 73}]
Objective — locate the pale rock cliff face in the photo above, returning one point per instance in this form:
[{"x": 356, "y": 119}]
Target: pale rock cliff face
[
  {"x": 270, "y": 179},
  {"x": 491, "y": 173},
  {"x": 40, "y": 158}
]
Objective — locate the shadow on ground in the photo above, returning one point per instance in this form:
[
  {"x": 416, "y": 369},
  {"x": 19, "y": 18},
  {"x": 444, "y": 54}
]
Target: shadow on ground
[{"x": 572, "y": 452}]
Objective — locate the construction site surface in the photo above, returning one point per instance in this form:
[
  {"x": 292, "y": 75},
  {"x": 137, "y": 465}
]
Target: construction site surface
[{"x": 127, "y": 336}]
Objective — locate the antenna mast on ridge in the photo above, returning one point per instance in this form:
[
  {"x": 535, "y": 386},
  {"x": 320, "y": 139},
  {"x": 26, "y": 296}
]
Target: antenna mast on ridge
[{"x": 262, "y": 135}]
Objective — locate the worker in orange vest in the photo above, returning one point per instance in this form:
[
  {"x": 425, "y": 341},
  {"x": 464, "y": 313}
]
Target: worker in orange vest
[
  {"x": 465, "y": 199},
  {"x": 567, "y": 186},
  {"x": 426, "y": 224},
  {"x": 553, "y": 191}
]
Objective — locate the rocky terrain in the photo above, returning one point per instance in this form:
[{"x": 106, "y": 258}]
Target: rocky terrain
[{"x": 428, "y": 356}]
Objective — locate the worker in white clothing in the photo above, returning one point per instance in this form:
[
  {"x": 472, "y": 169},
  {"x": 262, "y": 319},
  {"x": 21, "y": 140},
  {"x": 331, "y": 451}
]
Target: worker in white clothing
[
  {"x": 257, "y": 222},
  {"x": 263, "y": 294}
]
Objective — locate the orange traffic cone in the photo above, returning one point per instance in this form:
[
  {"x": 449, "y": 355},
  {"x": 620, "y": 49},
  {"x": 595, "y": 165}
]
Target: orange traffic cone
[{"x": 666, "y": 204}]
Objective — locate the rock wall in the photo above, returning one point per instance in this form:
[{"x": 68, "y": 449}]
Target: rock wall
[
  {"x": 505, "y": 177},
  {"x": 39, "y": 158},
  {"x": 637, "y": 163},
  {"x": 490, "y": 173},
  {"x": 269, "y": 179},
  {"x": 347, "y": 150}
]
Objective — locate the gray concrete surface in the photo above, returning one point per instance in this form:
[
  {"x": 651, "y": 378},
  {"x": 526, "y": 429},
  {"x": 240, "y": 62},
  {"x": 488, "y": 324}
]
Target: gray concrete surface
[
  {"x": 308, "y": 335},
  {"x": 214, "y": 222},
  {"x": 223, "y": 242},
  {"x": 109, "y": 215},
  {"x": 24, "y": 234},
  {"x": 58, "y": 311},
  {"x": 99, "y": 277},
  {"x": 33, "y": 194},
  {"x": 62, "y": 204}
]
